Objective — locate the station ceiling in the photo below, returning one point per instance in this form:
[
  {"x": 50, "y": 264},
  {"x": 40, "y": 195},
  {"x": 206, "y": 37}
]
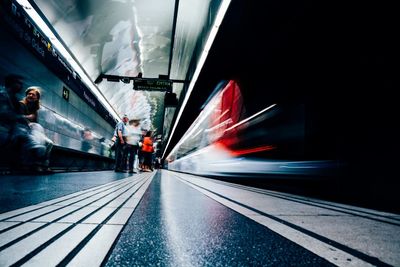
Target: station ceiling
[{"x": 128, "y": 37}]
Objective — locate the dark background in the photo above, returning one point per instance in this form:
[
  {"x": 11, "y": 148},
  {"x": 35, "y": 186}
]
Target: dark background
[{"x": 338, "y": 58}]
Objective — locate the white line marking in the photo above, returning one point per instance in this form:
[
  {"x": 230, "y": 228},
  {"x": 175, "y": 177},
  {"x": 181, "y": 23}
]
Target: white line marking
[
  {"x": 320, "y": 248},
  {"x": 78, "y": 215},
  {"x": 97, "y": 247},
  {"x": 17, "y": 232},
  {"x": 57, "y": 250},
  {"x": 18, "y": 211},
  {"x": 99, "y": 216},
  {"x": 5, "y": 225},
  {"x": 81, "y": 194},
  {"x": 56, "y": 214},
  {"x": 121, "y": 216},
  {"x": 60, "y": 248},
  {"x": 390, "y": 217},
  {"x": 132, "y": 202},
  {"x": 17, "y": 251},
  {"x": 30, "y": 215},
  {"x": 86, "y": 191}
]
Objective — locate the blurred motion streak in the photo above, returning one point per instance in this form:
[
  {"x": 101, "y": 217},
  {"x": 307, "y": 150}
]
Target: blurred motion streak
[
  {"x": 252, "y": 150},
  {"x": 225, "y": 140},
  {"x": 251, "y": 117}
]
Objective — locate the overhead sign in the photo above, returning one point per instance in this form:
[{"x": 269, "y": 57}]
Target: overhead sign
[{"x": 152, "y": 85}]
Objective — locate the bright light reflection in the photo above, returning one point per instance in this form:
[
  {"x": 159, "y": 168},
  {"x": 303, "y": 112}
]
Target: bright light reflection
[{"x": 221, "y": 14}]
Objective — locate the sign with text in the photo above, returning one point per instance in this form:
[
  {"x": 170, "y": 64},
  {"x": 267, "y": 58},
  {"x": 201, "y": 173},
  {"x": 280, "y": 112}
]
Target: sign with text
[{"x": 152, "y": 85}]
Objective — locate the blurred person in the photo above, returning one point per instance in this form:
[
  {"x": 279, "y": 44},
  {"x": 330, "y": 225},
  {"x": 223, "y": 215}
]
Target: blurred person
[
  {"x": 104, "y": 148},
  {"x": 87, "y": 139},
  {"x": 15, "y": 132},
  {"x": 140, "y": 153},
  {"x": 147, "y": 151},
  {"x": 134, "y": 136},
  {"x": 29, "y": 106},
  {"x": 157, "y": 163},
  {"x": 10, "y": 114},
  {"x": 120, "y": 144},
  {"x": 157, "y": 146}
]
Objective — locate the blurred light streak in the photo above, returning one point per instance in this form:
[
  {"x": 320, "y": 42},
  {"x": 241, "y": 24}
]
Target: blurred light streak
[
  {"x": 217, "y": 160},
  {"x": 252, "y": 150},
  {"x": 197, "y": 133},
  {"x": 196, "y": 124},
  {"x": 220, "y": 116},
  {"x": 249, "y": 118},
  {"x": 219, "y": 125},
  {"x": 218, "y": 20}
]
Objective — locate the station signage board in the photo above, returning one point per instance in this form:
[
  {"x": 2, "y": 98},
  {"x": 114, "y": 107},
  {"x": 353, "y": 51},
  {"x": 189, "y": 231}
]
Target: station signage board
[{"x": 152, "y": 84}]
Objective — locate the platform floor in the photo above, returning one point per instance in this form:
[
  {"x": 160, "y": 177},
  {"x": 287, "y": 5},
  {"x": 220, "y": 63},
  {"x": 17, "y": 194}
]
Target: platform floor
[{"x": 165, "y": 218}]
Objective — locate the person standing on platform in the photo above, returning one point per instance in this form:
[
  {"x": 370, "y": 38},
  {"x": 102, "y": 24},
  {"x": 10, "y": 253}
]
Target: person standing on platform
[
  {"x": 134, "y": 136},
  {"x": 120, "y": 143},
  {"x": 147, "y": 151}
]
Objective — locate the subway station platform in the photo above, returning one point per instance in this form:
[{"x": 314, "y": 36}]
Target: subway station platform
[{"x": 165, "y": 218}]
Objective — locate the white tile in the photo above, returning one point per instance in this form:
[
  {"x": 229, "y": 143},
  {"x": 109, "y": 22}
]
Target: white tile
[
  {"x": 120, "y": 200},
  {"x": 128, "y": 193},
  {"x": 18, "y": 231},
  {"x": 101, "y": 198},
  {"x": 121, "y": 216},
  {"x": 59, "y": 249},
  {"x": 33, "y": 214},
  {"x": 96, "y": 250},
  {"x": 18, "y": 211},
  {"x": 81, "y": 194},
  {"x": 103, "y": 201},
  {"x": 56, "y": 214},
  {"x": 99, "y": 216},
  {"x": 64, "y": 199},
  {"x": 79, "y": 201},
  {"x": 17, "y": 251},
  {"x": 116, "y": 203},
  {"x": 5, "y": 225},
  {"x": 132, "y": 202},
  {"x": 78, "y": 215}
]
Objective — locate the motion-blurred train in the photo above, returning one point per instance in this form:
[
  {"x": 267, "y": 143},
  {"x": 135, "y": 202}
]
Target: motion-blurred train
[{"x": 225, "y": 140}]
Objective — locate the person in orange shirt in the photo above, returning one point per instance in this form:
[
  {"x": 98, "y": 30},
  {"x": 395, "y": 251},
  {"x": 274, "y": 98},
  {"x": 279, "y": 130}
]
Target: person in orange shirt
[{"x": 147, "y": 151}]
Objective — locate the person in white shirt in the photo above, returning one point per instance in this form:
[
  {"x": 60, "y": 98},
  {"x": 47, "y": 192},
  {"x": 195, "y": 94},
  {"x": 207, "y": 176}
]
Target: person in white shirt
[
  {"x": 120, "y": 152},
  {"x": 134, "y": 136}
]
